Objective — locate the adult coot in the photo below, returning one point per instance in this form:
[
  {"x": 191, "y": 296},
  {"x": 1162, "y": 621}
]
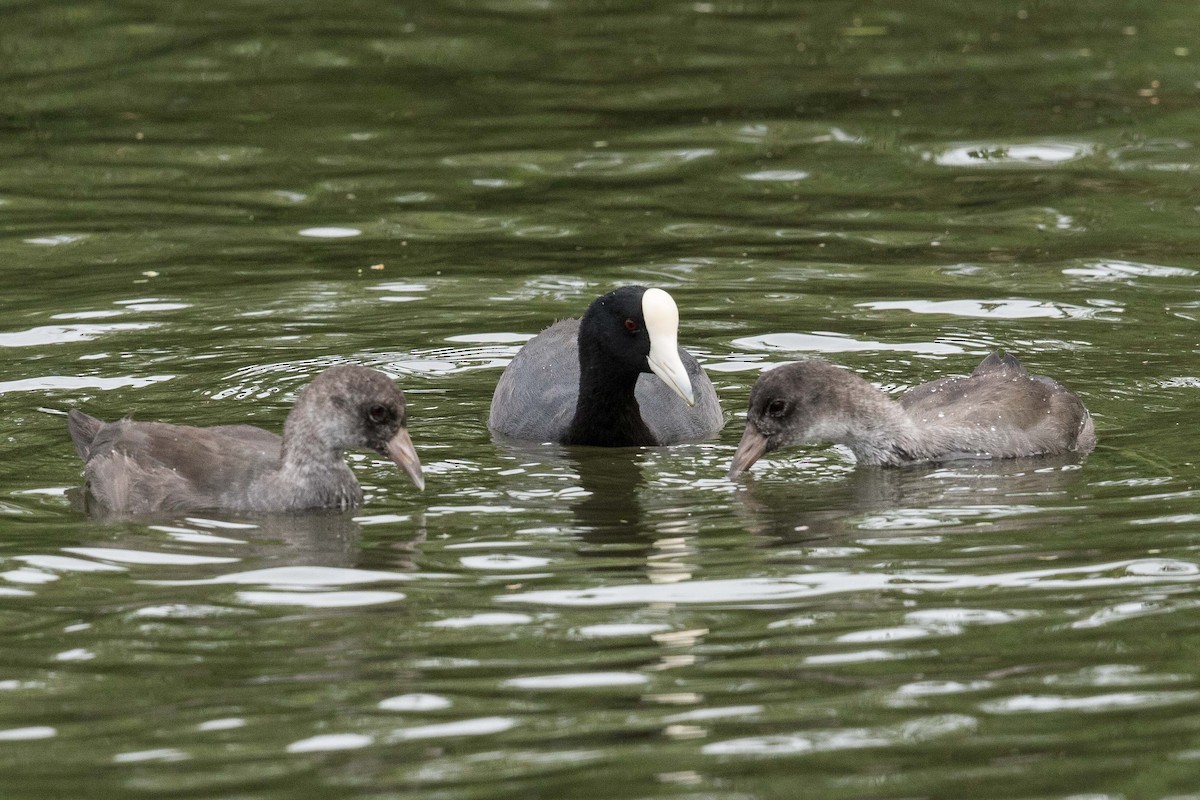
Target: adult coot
[
  {"x": 998, "y": 411},
  {"x": 142, "y": 467},
  {"x": 583, "y": 382}
]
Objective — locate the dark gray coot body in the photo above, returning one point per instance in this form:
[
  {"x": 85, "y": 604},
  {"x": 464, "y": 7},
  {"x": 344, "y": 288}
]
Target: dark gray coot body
[
  {"x": 145, "y": 467},
  {"x": 536, "y": 397}
]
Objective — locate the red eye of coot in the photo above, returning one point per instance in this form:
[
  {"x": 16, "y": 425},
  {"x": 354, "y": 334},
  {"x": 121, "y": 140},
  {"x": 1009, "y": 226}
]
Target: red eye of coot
[{"x": 631, "y": 325}]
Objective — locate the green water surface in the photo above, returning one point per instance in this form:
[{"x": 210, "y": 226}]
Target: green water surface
[{"x": 204, "y": 204}]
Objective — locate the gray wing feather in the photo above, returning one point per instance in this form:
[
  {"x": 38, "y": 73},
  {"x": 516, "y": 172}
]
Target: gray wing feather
[
  {"x": 83, "y": 429},
  {"x": 1001, "y": 409},
  {"x": 140, "y": 467}
]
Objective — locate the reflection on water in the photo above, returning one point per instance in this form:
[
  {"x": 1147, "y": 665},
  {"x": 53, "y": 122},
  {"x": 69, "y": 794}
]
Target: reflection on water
[
  {"x": 825, "y": 342},
  {"x": 1004, "y": 309},
  {"x": 815, "y": 584},
  {"x": 994, "y": 154},
  {"x": 1007, "y": 494},
  {"x": 611, "y": 509}
]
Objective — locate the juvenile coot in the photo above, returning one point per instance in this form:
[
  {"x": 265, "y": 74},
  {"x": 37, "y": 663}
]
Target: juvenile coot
[
  {"x": 998, "y": 411},
  {"x": 143, "y": 467},
  {"x": 586, "y": 381}
]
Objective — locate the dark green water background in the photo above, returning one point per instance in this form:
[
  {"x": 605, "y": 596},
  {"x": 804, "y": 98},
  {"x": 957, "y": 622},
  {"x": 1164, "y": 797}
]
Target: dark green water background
[{"x": 195, "y": 201}]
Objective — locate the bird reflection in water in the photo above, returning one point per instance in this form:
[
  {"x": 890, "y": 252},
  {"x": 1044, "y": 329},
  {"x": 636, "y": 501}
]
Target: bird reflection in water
[
  {"x": 311, "y": 539},
  {"x": 871, "y": 500}
]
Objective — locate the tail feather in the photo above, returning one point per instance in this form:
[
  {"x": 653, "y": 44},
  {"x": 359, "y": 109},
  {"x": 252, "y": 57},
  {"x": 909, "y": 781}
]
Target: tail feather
[
  {"x": 83, "y": 429},
  {"x": 999, "y": 362}
]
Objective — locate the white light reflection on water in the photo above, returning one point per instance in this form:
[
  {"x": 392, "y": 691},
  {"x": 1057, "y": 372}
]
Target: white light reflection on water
[
  {"x": 74, "y": 382},
  {"x": 598, "y": 162},
  {"x": 480, "y": 726},
  {"x": 908, "y": 694},
  {"x": 330, "y": 233},
  {"x": 415, "y": 701},
  {"x": 66, "y": 334},
  {"x": 1125, "y": 271},
  {"x": 1001, "y": 155},
  {"x": 828, "y": 342},
  {"x": 864, "y": 657},
  {"x": 329, "y": 742},
  {"x": 1009, "y": 308},
  {"x": 164, "y": 754},
  {"x": 577, "y": 680},
  {"x": 964, "y": 616},
  {"x": 620, "y": 629},
  {"x": 27, "y": 734},
  {"x": 721, "y": 712},
  {"x": 144, "y": 557},
  {"x": 503, "y": 561},
  {"x": 896, "y": 634},
  {"x": 151, "y": 304},
  {"x": 913, "y": 519},
  {"x": 319, "y": 599},
  {"x": 190, "y": 536},
  {"x": 223, "y": 724},
  {"x": 491, "y": 338},
  {"x": 306, "y": 586},
  {"x": 1116, "y": 701},
  {"x": 775, "y": 175},
  {"x": 25, "y": 575},
  {"x": 1113, "y": 675},
  {"x": 56, "y": 239},
  {"x": 483, "y": 620},
  {"x": 185, "y": 611},
  {"x": 67, "y": 564},
  {"x": 299, "y": 577},
  {"x": 1134, "y": 609},
  {"x": 1134, "y": 572},
  {"x": 821, "y": 741}
]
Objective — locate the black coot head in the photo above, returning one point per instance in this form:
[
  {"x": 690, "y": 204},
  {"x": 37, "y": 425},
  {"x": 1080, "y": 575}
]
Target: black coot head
[
  {"x": 616, "y": 324},
  {"x": 635, "y": 329}
]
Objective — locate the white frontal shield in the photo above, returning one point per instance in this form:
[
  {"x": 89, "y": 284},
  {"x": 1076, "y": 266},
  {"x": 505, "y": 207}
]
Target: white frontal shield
[{"x": 662, "y": 324}]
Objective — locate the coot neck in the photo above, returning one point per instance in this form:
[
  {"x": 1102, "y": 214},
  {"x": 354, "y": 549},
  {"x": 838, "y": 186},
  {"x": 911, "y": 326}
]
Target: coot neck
[
  {"x": 881, "y": 433},
  {"x": 306, "y": 457},
  {"x": 607, "y": 412}
]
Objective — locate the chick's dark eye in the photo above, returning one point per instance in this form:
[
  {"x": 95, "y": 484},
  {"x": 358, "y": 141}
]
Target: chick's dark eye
[
  {"x": 378, "y": 413},
  {"x": 776, "y": 407},
  {"x": 631, "y": 325}
]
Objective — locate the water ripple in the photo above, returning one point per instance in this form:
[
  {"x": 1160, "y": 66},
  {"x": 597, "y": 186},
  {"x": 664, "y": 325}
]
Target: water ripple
[
  {"x": 28, "y": 734},
  {"x": 66, "y": 334},
  {"x": 76, "y": 382},
  {"x": 1116, "y": 701},
  {"x": 144, "y": 557},
  {"x": 494, "y": 619},
  {"x": 329, "y": 742},
  {"x": 415, "y": 701},
  {"x": 301, "y": 577},
  {"x": 481, "y": 726},
  {"x": 828, "y": 342},
  {"x": 319, "y": 599},
  {"x": 1127, "y": 272},
  {"x": 917, "y": 730},
  {"x": 1010, "y": 308},
  {"x": 577, "y": 680},
  {"x": 756, "y": 590},
  {"x": 1001, "y": 155}
]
